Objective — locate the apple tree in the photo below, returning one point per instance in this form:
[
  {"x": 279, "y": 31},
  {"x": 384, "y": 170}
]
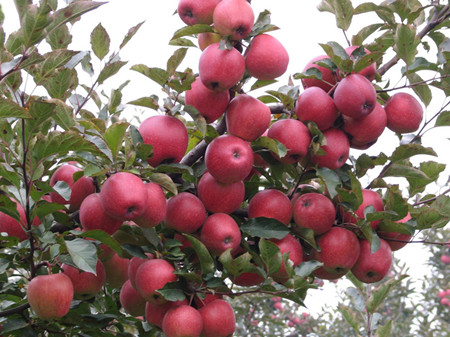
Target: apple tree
[{"x": 234, "y": 183}]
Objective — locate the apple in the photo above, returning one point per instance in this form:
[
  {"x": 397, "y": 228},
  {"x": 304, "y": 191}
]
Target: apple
[
  {"x": 218, "y": 197},
  {"x": 85, "y": 284},
  {"x": 201, "y": 302},
  {"x": 208, "y": 38},
  {"x": 185, "y": 213},
  {"x": 247, "y": 117},
  {"x": 211, "y": 104},
  {"x": 229, "y": 159},
  {"x": 50, "y": 296},
  {"x": 370, "y": 198},
  {"x": 315, "y": 105},
  {"x": 266, "y": 58},
  {"x": 294, "y": 135},
  {"x": 336, "y": 150},
  {"x": 151, "y": 276},
  {"x": 194, "y": 12},
  {"x": 392, "y": 237},
  {"x": 404, "y": 113},
  {"x": 218, "y": 319},
  {"x": 134, "y": 264},
  {"x": 314, "y": 211},
  {"x": 328, "y": 80},
  {"x": 289, "y": 244},
  {"x": 372, "y": 267},
  {"x": 339, "y": 250},
  {"x": 221, "y": 69},
  {"x": 271, "y": 203},
  {"x": 182, "y": 321},
  {"x": 131, "y": 300},
  {"x": 219, "y": 233},
  {"x": 154, "y": 313},
  {"x": 116, "y": 269},
  {"x": 168, "y": 137},
  {"x": 13, "y": 227},
  {"x": 233, "y": 18},
  {"x": 94, "y": 216},
  {"x": 248, "y": 279},
  {"x": 445, "y": 259},
  {"x": 80, "y": 188},
  {"x": 155, "y": 210},
  {"x": 355, "y": 96}
]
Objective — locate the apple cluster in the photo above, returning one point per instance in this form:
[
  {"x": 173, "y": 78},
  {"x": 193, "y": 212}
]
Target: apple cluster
[{"x": 444, "y": 297}]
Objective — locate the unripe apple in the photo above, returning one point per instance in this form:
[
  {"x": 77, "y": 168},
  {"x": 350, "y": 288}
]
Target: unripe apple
[
  {"x": 392, "y": 237},
  {"x": 93, "y": 215},
  {"x": 194, "y": 12},
  {"x": 154, "y": 313},
  {"x": 116, "y": 269},
  {"x": 336, "y": 151},
  {"x": 185, "y": 213},
  {"x": 219, "y": 233},
  {"x": 13, "y": 227},
  {"x": 271, "y": 203},
  {"x": 131, "y": 300},
  {"x": 328, "y": 78},
  {"x": 314, "y": 211},
  {"x": 155, "y": 210},
  {"x": 404, "y": 113},
  {"x": 168, "y": 137},
  {"x": 289, "y": 244},
  {"x": 233, "y": 18},
  {"x": 85, "y": 284},
  {"x": 218, "y": 319},
  {"x": 208, "y": 38},
  {"x": 266, "y": 58},
  {"x": 370, "y": 198},
  {"x": 182, "y": 321}
]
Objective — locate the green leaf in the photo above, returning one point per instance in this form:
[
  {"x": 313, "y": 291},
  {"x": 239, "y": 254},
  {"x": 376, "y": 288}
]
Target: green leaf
[
  {"x": 378, "y": 295},
  {"x": 59, "y": 38},
  {"x": 242, "y": 264},
  {"x": 305, "y": 269},
  {"x": 406, "y": 151},
  {"x": 287, "y": 101},
  {"x": 331, "y": 180},
  {"x": 109, "y": 70},
  {"x": 182, "y": 42},
  {"x": 400, "y": 170},
  {"x": 269, "y": 143},
  {"x": 114, "y": 136},
  {"x": 422, "y": 90},
  {"x": 260, "y": 83},
  {"x": 52, "y": 61},
  {"x": 443, "y": 119},
  {"x": 100, "y": 41},
  {"x": 61, "y": 84},
  {"x": 266, "y": 228},
  {"x": 364, "y": 33},
  {"x": 13, "y": 324},
  {"x": 35, "y": 20},
  {"x": 338, "y": 55},
  {"x": 271, "y": 255},
  {"x": 10, "y": 109},
  {"x": 192, "y": 30},
  {"x": 307, "y": 235},
  {"x": 175, "y": 60},
  {"x": 172, "y": 292},
  {"x": 147, "y": 102},
  {"x": 206, "y": 261},
  {"x": 342, "y": 9},
  {"x": 384, "y": 330},
  {"x": 103, "y": 237},
  {"x": 83, "y": 254},
  {"x": 367, "y": 60},
  {"x": 350, "y": 316},
  {"x": 63, "y": 189},
  {"x": 165, "y": 182},
  {"x": 131, "y": 32},
  {"x": 406, "y": 43},
  {"x": 158, "y": 75}
]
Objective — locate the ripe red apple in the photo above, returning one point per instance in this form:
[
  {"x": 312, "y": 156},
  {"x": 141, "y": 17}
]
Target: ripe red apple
[
  {"x": 289, "y": 244},
  {"x": 131, "y": 300},
  {"x": 339, "y": 250},
  {"x": 211, "y": 104},
  {"x": 133, "y": 266},
  {"x": 229, "y": 159},
  {"x": 218, "y": 319},
  {"x": 155, "y": 210},
  {"x": 370, "y": 268},
  {"x": 271, "y": 203},
  {"x": 13, "y": 227},
  {"x": 153, "y": 275},
  {"x": 168, "y": 136},
  {"x": 124, "y": 196},
  {"x": 50, "y": 296},
  {"x": 219, "y": 233},
  {"x": 80, "y": 189},
  {"x": 93, "y": 215},
  {"x": 85, "y": 285},
  {"x": 355, "y": 96},
  {"x": 221, "y": 69},
  {"x": 445, "y": 259},
  {"x": 404, "y": 113},
  {"x": 208, "y": 38},
  {"x": 200, "y": 303},
  {"x": 194, "y": 12},
  {"x": 233, "y": 18},
  {"x": 116, "y": 269},
  {"x": 315, "y": 211},
  {"x": 266, "y": 58},
  {"x": 247, "y": 117},
  {"x": 218, "y": 197},
  {"x": 336, "y": 151},
  {"x": 185, "y": 213},
  {"x": 370, "y": 198},
  {"x": 328, "y": 78},
  {"x": 294, "y": 135},
  {"x": 315, "y": 105},
  {"x": 248, "y": 279},
  {"x": 392, "y": 237},
  {"x": 154, "y": 313},
  {"x": 182, "y": 321}
]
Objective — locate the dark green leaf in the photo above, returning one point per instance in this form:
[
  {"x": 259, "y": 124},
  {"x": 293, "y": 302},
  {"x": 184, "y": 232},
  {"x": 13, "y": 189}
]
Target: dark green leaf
[
  {"x": 165, "y": 182},
  {"x": 206, "y": 261},
  {"x": 272, "y": 144},
  {"x": 59, "y": 38},
  {"x": 307, "y": 235},
  {"x": 13, "y": 324},
  {"x": 364, "y": 33},
  {"x": 83, "y": 254},
  {"x": 271, "y": 255},
  {"x": 331, "y": 180},
  {"x": 100, "y": 41},
  {"x": 443, "y": 119},
  {"x": 172, "y": 292},
  {"x": 409, "y": 150},
  {"x": 399, "y": 170},
  {"x": 305, "y": 269},
  {"x": 266, "y": 228},
  {"x": 10, "y": 109}
]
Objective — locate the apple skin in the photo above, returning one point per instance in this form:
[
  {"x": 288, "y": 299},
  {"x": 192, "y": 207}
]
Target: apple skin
[
  {"x": 271, "y": 203},
  {"x": 247, "y": 117},
  {"x": 328, "y": 78},
  {"x": 355, "y": 96},
  {"x": 266, "y": 58},
  {"x": 131, "y": 300},
  {"x": 388, "y": 236},
  {"x": 218, "y": 197},
  {"x": 219, "y": 233},
  {"x": 154, "y": 313},
  {"x": 50, "y": 296},
  {"x": 133, "y": 266},
  {"x": 185, "y": 213},
  {"x": 229, "y": 159},
  {"x": 370, "y": 268},
  {"x": 151, "y": 276},
  {"x": 220, "y": 70},
  {"x": 116, "y": 269},
  {"x": 155, "y": 210},
  {"x": 93, "y": 215},
  {"x": 200, "y": 303},
  {"x": 248, "y": 279},
  {"x": 193, "y": 12},
  {"x": 85, "y": 285},
  {"x": 336, "y": 151},
  {"x": 370, "y": 198},
  {"x": 168, "y": 136},
  {"x": 13, "y": 227},
  {"x": 294, "y": 135},
  {"x": 404, "y": 113},
  {"x": 315, "y": 105},
  {"x": 289, "y": 244},
  {"x": 206, "y": 39},
  {"x": 211, "y": 104},
  {"x": 233, "y": 18},
  {"x": 182, "y": 321},
  {"x": 80, "y": 189},
  {"x": 339, "y": 252},
  {"x": 218, "y": 319},
  {"x": 314, "y": 211}
]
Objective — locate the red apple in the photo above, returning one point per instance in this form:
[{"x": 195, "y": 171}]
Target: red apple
[
  {"x": 314, "y": 211},
  {"x": 248, "y": 279},
  {"x": 289, "y": 244},
  {"x": 229, "y": 159},
  {"x": 154, "y": 313},
  {"x": 266, "y": 58},
  {"x": 219, "y": 233},
  {"x": 168, "y": 136},
  {"x": 370, "y": 198},
  {"x": 315, "y": 105},
  {"x": 133, "y": 266},
  {"x": 445, "y": 259},
  {"x": 247, "y": 117},
  {"x": 328, "y": 78},
  {"x": 271, "y": 203},
  {"x": 185, "y": 213},
  {"x": 194, "y": 12},
  {"x": 93, "y": 215},
  {"x": 336, "y": 151},
  {"x": 155, "y": 210},
  {"x": 50, "y": 296},
  {"x": 392, "y": 237},
  {"x": 218, "y": 319},
  {"x": 13, "y": 227},
  {"x": 85, "y": 284},
  {"x": 116, "y": 269},
  {"x": 208, "y": 38},
  {"x": 404, "y": 113},
  {"x": 182, "y": 321},
  {"x": 131, "y": 300},
  {"x": 233, "y": 18},
  {"x": 200, "y": 303}
]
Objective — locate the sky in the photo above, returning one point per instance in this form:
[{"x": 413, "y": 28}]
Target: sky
[{"x": 302, "y": 28}]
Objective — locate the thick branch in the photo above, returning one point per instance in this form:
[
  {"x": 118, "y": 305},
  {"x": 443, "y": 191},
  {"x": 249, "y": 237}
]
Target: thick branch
[{"x": 15, "y": 310}]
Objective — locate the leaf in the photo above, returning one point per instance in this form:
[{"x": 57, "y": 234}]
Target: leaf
[
  {"x": 406, "y": 43},
  {"x": 33, "y": 23},
  {"x": 192, "y": 30},
  {"x": 131, "y": 32},
  {"x": 158, "y": 75},
  {"x": 61, "y": 84},
  {"x": 364, "y": 33},
  {"x": 350, "y": 316},
  {"x": 378, "y": 295},
  {"x": 83, "y": 254},
  {"x": 206, "y": 261},
  {"x": 172, "y": 292},
  {"x": 114, "y": 136},
  {"x": 10, "y": 109},
  {"x": 266, "y": 228},
  {"x": 165, "y": 182},
  {"x": 13, "y": 324},
  {"x": 175, "y": 60},
  {"x": 63, "y": 189},
  {"x": 52, "y": 61},
  {"x": 104, "y": 238},
  {"x": 385, "y": 330},
  {"x": 331, "y": 180},
  {"x": 343, "y": 10},
  {"x": 422, "y": 90},
  {"x": 443, "y": 119},
  {"x": 306, "y": 268},
  {"x": 338, "y": 55},
  {"x": 147, "y": 102},
  {"x": 272, "y": 144},
  {"x": 109, "y": 70},
  {"x": 59, "y": 38},
  {"x": 182, "y": 42},
  {"x": 400, "y": 170},
  {"x": 271, "y": 255},
  {"x": 406, "y": 151},
  {"x": 260, "y": 83},
  {"x": 100, "y": 41}
]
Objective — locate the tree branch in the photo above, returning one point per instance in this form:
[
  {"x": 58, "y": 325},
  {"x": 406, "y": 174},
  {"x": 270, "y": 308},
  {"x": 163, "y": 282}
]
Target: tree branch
[{"x": 15, "y": 310}]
